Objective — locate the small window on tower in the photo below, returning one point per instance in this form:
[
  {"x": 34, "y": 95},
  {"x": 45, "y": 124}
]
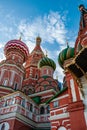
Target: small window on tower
[
  {"x": 23, "y": 102},
  {"x": 13, "y": 57},
  {"x": 15, "y": 86},
  {"x": 55, "y": 104},
  {"x": 48, "y": 109},
  {"x": 3, "y": 127},
  {"x": 36, "y": 76},
  {"x": 31, "y": 107},
  {"x": 13, "y": 101},
  {"x": 5, "y": 82},
  {"x": 42, "y": 110}
]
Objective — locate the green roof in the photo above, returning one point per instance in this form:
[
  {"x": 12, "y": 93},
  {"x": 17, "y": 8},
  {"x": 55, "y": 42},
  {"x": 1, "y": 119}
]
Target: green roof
[{"x": 37, "y": 99}]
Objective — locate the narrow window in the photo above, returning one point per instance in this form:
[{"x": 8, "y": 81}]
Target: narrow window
[
  {"x": 56, "y": 104},
  {"x": 31, "y": 107},
  {"x": 42, "y": 110},
  {"x": 48, "y": 109},
  {"x": 23, "y": 103},
  {"x": 3, "y": 127},
  {"x": 36, "y": 76},
  {"x": 15, "y": 86},
  {"x": 5, "y": 82}
]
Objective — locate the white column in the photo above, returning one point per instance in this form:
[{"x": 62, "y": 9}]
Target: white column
[{"x": 73, "y": 90}]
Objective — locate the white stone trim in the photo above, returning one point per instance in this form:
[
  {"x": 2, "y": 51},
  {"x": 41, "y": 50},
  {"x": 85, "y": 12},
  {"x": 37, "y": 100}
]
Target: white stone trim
[
  {"x": 9, "y": 115},
  {"x": 23, "y": 119},
  {"x": 46, "y": 96},
  {"x": 56, "y": 122},
  {"x": 62, "y": 108},
  {"x": 66, "y": 95},
  {"x": 64, "y": 121},
  {"x": 72, "y": 86},
  {"x": 85, "y": 115},
  {"x": 53, "y": 126},
  {"x": 43, "y": 92},
  {"x": 13, "y": 65},
  {"x": 68, "y": 125},
  {"x": 59, "y": 116}
]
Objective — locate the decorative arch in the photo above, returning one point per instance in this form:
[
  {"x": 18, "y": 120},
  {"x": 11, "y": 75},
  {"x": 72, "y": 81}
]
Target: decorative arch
[{"x": 4, "y": 126}]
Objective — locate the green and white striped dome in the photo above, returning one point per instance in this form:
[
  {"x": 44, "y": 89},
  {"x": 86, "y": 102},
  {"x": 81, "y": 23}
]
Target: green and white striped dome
[
  {"x": 45, "y": 61},
  {"x": 65, "y": 54}
]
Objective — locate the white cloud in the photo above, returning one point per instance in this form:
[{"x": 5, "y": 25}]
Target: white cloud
[{"x": 51, "y": 28}]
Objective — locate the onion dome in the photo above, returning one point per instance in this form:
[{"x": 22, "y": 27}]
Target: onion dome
[
  {"x": 45, "y": 61},
  {"x": 16, "y": 45},
  {"x": 65, "y": 54}
]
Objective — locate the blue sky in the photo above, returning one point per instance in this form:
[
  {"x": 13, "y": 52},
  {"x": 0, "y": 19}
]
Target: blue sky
[{"x": 54, "y": 20}]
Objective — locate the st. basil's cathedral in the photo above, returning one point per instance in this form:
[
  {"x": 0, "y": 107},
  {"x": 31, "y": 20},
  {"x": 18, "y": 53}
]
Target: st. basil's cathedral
[{"x": 31, "y": 99}]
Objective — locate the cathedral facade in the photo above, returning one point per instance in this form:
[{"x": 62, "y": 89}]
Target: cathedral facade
[{"x": 31, "y": 99}]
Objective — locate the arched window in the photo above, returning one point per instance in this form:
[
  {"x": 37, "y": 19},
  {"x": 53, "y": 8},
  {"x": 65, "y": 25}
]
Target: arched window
[
  {"x": 61, "y": 128},
  {"x": 42, "y": 110},
  {"x": 15, "y": 86},
  {"x": 30, "y": 91},
  {"x": 48, "y": 109},
  {"x": 6, "y": 103},
  {"x": 55, "y": 103},
  {"x": 36, "y": 76},
  {"x": 5, "y": 82},
  {"x": 3, "y": 127},
  {"x": 23, "y": 102},
  {"x": 13, "y": 101},
  {"x": 31, "y": 107}
]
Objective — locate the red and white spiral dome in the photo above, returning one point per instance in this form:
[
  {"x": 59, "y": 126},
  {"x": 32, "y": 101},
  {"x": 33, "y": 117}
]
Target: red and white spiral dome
[{"x": 16, "y": 45}]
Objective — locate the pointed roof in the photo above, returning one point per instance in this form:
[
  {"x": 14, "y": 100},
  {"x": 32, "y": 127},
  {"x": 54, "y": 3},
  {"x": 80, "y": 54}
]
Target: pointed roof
[
  {"x": 36, "y": 54},
  {"x": 37, "y": 47}
]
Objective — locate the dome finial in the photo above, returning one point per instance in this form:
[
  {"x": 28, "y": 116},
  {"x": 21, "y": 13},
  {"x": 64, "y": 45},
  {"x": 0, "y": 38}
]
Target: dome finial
[
  {"x": 81, "y": 7},
  {"x": 46, "y": 53},
  {"x": 38, "y": 40},
  {"x": 67, "y": 43},
  {"x": 21, "y": 34}
]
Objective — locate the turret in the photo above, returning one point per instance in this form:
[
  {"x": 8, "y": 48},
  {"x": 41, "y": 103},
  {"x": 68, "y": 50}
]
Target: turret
[
  {"x": 16, "y": 51},
  {"x": 65, "y": 55},
  {"x": 81, "y": 40},
  {"x": 31, "y": 68},
  {"x": 47, "y": 66},
  {"x": 12, "y": 70}
]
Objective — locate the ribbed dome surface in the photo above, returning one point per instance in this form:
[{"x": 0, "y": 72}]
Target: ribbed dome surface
[
  {"x": 16, "y": 45},
  {"x": 47, "y": 62},
  {"x": 65, "y": 54}
]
